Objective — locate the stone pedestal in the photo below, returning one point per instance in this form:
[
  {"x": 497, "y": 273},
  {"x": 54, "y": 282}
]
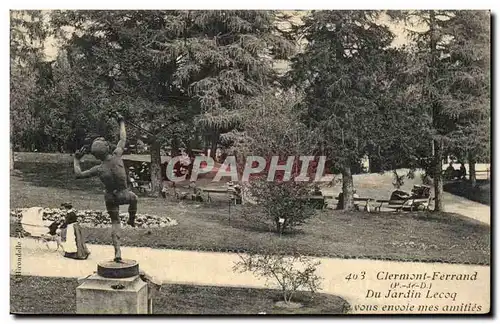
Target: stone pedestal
[
  {"x": 116, "y": 270},
  {"x": 116, "y": 288}
]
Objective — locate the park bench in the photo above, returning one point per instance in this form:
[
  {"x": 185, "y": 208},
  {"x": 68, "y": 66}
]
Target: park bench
[
  {"x": 131, "y": 149},
  {"x": 358, "y": 200},
  {"x": 315, "y": 201},
  {"x": 233, "y": 193},
  {"x": 452, "y": 175},
  {"x": 141, "y": 186},
  {"x": 366, "y": 201},
  {"x": 208, "y": 191},
  {"x": 480, "y": 172},
  {"x": 420, "y": 197},
  {"x": 402, "y": 204},
  {"x": 457, "y": 175}
]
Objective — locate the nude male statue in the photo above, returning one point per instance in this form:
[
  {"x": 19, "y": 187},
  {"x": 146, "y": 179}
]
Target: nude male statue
[{"x": 112, "y": 174}]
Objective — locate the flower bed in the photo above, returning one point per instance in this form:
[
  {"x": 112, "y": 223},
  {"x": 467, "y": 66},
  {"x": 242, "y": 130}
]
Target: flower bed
[{"x": 100, "y": 219}]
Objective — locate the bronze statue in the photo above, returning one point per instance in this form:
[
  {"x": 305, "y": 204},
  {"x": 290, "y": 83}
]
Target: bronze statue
[{"x": 112, "y": 174}]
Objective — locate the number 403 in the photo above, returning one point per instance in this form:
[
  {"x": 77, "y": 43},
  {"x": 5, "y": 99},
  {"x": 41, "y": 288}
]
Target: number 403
[{"x": 355, "y": 276}]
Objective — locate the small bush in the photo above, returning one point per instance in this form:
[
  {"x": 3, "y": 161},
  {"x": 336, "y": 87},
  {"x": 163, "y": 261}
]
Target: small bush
[
  {"x": 398, "y": 179},
  {"x": 288, "y": 273},
  {"x": 283, "y": 204}
]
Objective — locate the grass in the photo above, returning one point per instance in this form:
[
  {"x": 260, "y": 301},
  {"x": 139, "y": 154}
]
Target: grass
[
  {"x": 480, "y": 193},
  {"x": 48, "y": 295},
  {"x": 414, "y": 236}
]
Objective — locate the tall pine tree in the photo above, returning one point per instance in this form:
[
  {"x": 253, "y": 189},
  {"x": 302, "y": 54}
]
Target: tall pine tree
[
  {"x": 340, "y": 72},
  {"x": 166, "y": 67},
  {"x": 468, "y": 93},
  {"x": 451, "y": 82},
  {"x": 28, "y": 32}
]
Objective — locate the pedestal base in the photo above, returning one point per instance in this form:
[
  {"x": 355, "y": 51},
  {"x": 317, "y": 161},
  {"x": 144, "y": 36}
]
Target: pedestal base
[
  {"x": 100, "y": 295},
  {"x": 124, "y": 269}
]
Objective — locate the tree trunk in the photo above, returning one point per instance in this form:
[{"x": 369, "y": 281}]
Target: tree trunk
[
  {"x": 174, "y": 147},
  {"x": 347, "y": 189},
  {"x": 189, "y": 150},
  {"x": 472, "y": 170},
  {"x": 438, "y": 176},
  {"x": 375, "y": 164},
  {"x": 215, "y": 141},
  {"x": 156, "y": 177},
  {"x": 438, "y": 145}
]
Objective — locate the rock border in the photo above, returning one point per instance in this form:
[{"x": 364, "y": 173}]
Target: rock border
[{"x": 100, "y": 219}]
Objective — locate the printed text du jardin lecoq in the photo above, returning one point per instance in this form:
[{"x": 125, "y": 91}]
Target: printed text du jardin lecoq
[{"x": 411, "y": 286}]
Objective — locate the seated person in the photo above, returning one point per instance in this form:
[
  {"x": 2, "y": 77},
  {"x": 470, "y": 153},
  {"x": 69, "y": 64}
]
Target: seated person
[
  {"x": 316, "y": 191},
  {"x": 237, "y": 194},
  {"x": 450, "y": 170},
  {"x": 355, "y": 195},
  {"x": 132, "y": 177},
  {"x": 72, "y": 238},
  {"x": 235, "y": 191},
  {"x": 457, "y": 174},
  {"x": 399, "y": 195},
  {"x": 54, "y": 234},
  {"x": 196, "y": 193},
  {"x": 420, "y": 192},
  {"x": 340, "y": 199},
  {"x": 164, "y": 189},
  {"x": 463, "y": 171},
  {"x": 55, "y": 226},
  {"x": 451, "y": 173}
]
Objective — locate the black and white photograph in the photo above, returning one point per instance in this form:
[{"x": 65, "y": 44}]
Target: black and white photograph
[{"x": 250, "y": 162}]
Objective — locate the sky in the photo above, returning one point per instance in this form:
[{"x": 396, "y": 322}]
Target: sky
[{"x": 51, "y": 46}]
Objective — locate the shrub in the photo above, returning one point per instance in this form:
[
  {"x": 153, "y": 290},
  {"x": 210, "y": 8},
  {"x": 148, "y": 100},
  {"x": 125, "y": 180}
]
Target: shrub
[
  {"x": 282, "y": 203},
  {"x": 398, "y": 179},
  {"x": 288, "y": 273}
]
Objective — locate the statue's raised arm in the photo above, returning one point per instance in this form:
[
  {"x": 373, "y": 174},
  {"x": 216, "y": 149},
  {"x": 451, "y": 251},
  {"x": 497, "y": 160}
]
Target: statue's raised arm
[
  {"x": 120, "y": 147},
  {"x": 79, "y": 174}
]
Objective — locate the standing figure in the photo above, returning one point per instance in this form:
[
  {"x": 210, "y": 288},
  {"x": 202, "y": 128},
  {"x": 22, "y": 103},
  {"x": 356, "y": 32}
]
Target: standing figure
[
  {"x": 463, "y": 171},
  {"x": 73, "y": 238},
  {"x": 112, "y": 174},
  {"x": 450, "y": 171}
]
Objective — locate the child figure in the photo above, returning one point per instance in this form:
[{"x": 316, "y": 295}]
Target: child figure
[{"x": 112, "y": 174}]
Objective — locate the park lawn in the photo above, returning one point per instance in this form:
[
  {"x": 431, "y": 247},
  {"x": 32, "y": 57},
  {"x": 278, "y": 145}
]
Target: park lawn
[
  {"x": 51, "y": 295},
  {"x": 417, "y": 236}
]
